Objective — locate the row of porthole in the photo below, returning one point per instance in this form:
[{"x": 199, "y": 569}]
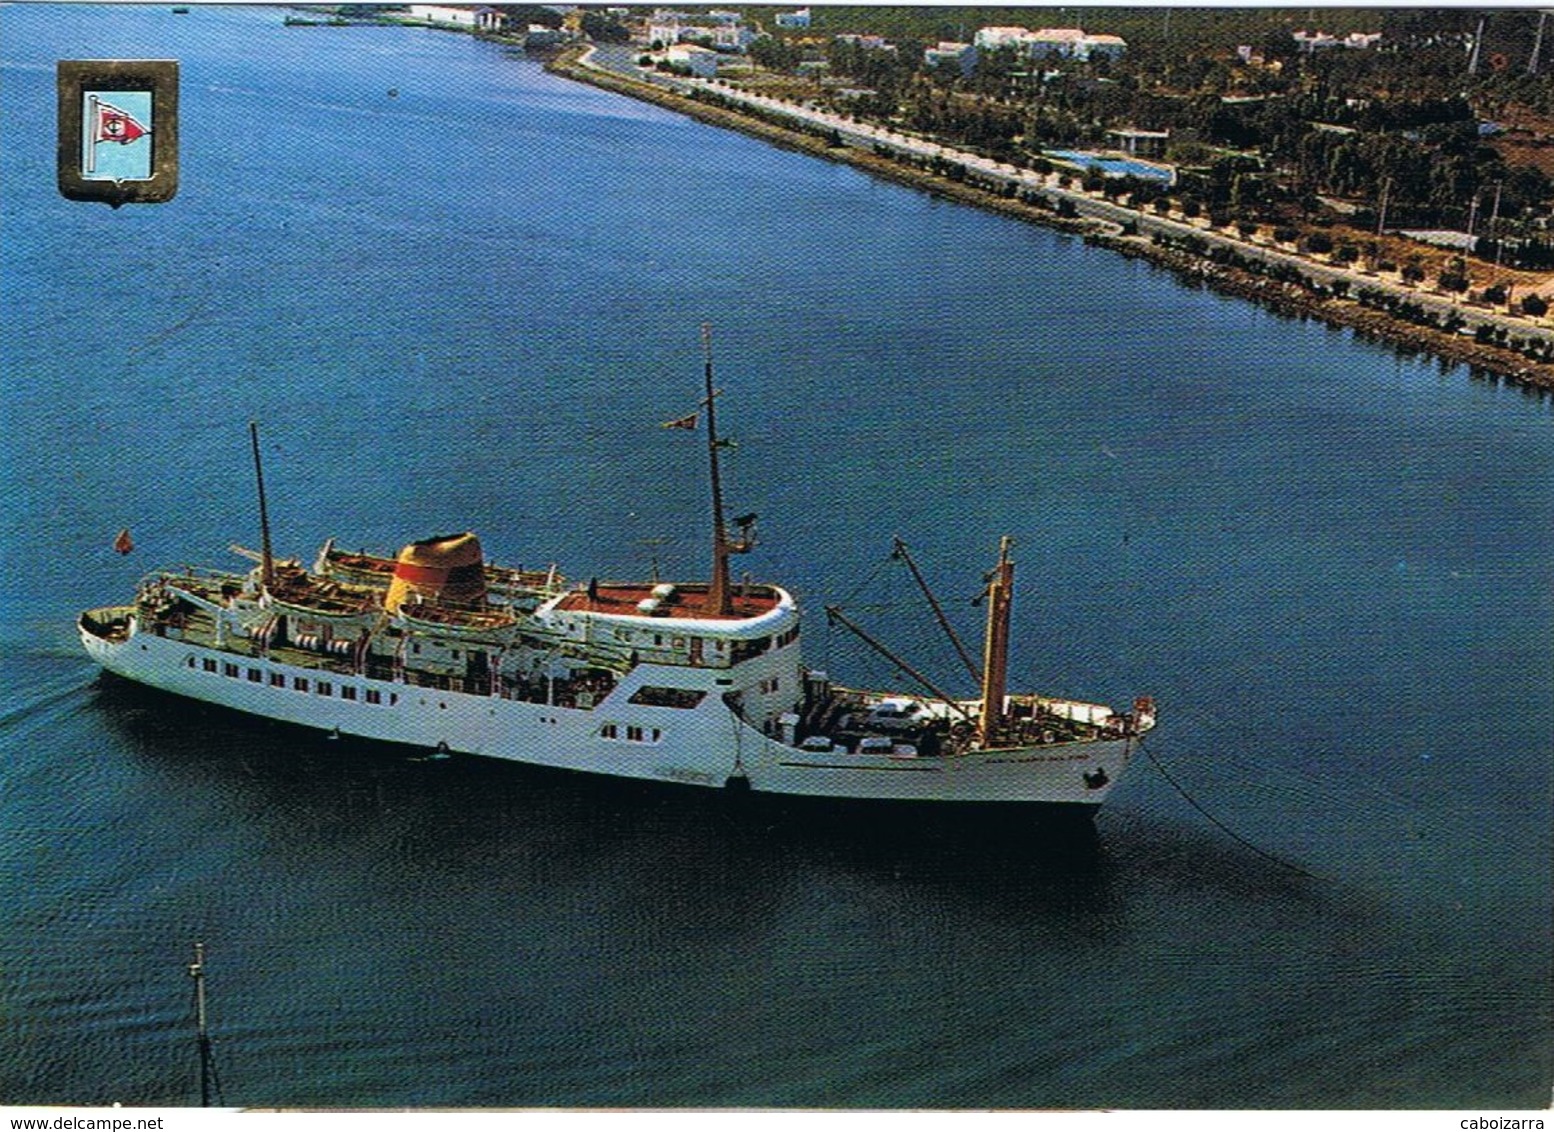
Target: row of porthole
[{"x": 298, "y": 683}]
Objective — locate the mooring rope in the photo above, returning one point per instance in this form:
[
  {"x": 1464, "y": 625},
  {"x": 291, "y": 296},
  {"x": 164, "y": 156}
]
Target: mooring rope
[{"x": 1215, "y": 822}]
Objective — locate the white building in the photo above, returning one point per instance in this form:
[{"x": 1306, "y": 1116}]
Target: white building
[
  {"x": 798, "y": 19},
  {"x": 1066, "y": 43},
  {"x": 722, "y": 29},
  {"x": 1063, "y": 42},
  {"x": 478, "y": 16},
  {"x": 866, "y": 42},
  {"x": 664, "y": 26},
  {"x": 960, "y": 55},
  {"x": 1108, "y": 46},
  {"x": 1312, "y": 41},
  {"x": 1140, "y": 143},
  {"x": 991, "y": 39}
]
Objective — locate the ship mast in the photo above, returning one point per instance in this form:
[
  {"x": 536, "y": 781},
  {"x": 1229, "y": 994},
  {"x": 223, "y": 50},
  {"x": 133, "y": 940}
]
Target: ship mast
[
  {"x": 718, "y": 592},
  {"x": 267, "y": 562},
  {"x": 995, "y": 648}
]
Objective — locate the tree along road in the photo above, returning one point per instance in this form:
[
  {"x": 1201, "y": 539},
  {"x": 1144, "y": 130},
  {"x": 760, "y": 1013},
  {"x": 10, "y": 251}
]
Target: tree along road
[{"x": 859, "y": 135}]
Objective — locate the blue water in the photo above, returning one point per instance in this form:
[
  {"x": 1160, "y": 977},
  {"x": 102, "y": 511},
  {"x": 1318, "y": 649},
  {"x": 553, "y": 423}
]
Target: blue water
[
  {"x": 461, "y": 294},
  {"x": 1112, "y": 166}
]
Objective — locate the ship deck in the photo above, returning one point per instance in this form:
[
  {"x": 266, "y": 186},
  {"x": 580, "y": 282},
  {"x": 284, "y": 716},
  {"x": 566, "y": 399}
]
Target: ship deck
[{"x": 623, "y": 599}]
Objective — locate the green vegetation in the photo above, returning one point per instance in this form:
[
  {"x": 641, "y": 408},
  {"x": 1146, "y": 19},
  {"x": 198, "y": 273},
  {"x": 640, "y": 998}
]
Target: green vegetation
[{"x": 1439, "y": 123}]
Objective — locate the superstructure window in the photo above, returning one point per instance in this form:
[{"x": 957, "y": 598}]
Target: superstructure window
[
  {"x": 324, "y": 688},
  {"x": 744, "y": 650},
  {"x": 210, "y": 664},
  {"x": 633, "y": 734},
  {"x": 229, "y": 669},
  {"x": 277, "y": 679},
  {"x": 299, "y": 683},
  {"x": 650, "y": 696},
  {"x": 347, "y": 692}
]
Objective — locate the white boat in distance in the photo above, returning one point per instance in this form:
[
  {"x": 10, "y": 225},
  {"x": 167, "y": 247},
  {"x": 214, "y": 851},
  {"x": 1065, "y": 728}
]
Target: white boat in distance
[{"x": 701, "y": 683}]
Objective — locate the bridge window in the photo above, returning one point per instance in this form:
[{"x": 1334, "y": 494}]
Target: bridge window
[{"x": 650, "y": 696}]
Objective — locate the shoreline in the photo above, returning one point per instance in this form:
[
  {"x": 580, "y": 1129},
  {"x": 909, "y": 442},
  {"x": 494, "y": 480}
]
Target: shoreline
[{"x": 1275, "y": 283}]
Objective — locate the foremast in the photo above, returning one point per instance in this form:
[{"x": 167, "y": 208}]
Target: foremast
[
  {"x": 995, "y": 645},
  {"x": 720, "y": 588},
  {"x": 991, "y": 721}
]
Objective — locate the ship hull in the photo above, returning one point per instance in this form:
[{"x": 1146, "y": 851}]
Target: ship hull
[{"x": 707, "y": 746}]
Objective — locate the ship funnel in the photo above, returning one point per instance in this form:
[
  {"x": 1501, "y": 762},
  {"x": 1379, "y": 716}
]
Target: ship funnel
[{"x": 449, "y": 569}]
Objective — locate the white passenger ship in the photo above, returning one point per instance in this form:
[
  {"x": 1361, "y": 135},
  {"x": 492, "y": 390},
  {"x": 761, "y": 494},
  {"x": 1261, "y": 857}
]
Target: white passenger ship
[{"x": 699, "y": 683}]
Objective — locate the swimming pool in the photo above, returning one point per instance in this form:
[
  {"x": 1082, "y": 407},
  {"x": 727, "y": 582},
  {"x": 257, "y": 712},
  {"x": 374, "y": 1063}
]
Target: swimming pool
[{"x": 1113, "y": 166}]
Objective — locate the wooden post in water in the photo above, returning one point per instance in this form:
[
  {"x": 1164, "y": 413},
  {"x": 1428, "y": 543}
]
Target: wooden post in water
[{"x": 197, "y": 973}]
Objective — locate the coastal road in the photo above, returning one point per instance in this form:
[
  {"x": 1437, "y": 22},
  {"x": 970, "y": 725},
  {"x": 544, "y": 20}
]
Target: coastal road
[{"x": 621, "y": 60}]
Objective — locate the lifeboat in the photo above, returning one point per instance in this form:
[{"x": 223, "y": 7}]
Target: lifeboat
[{"x": 301, "y": 595}]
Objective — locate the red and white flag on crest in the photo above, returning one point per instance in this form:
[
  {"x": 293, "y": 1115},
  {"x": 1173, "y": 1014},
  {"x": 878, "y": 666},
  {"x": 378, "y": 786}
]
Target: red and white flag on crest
[{"x": 115, "y": 125}]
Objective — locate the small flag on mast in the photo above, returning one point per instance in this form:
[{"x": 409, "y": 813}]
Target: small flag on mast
[{"x": 684, "y": 422}]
